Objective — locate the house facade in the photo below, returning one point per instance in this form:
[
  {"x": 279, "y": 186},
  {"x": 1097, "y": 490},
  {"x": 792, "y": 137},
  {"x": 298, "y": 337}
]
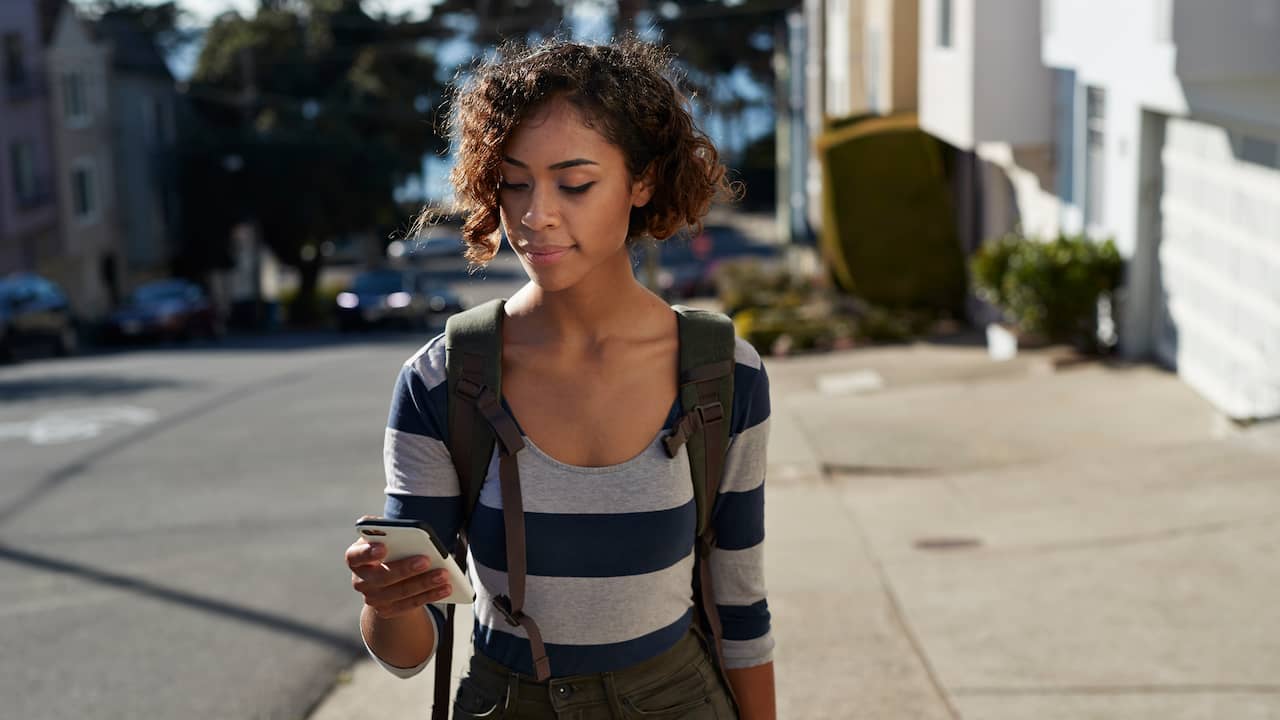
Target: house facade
[
  {"x": 1170, "y": 142},
  {"x": 1154, "y": 122},
  {"x": 28, "y": 207},
  {"x": 114, "y": 124}
]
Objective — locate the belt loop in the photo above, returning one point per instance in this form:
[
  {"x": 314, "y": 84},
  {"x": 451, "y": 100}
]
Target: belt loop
[
  {"x": 611, "y": 691},
  {"x": 513, "y": 693}
]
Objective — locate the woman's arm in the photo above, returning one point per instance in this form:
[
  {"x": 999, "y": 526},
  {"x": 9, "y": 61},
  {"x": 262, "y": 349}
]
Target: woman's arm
[
  {"x": 737, "y": 562},
  {"x": 753, "y": 688},
  {"x": 406, "y": 641},
  {"x": 394, "y": 622}
]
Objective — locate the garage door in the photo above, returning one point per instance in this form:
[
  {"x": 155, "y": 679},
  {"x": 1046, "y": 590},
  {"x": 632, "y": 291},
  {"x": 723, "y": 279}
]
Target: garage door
[{"x": 1219, "y": 314}]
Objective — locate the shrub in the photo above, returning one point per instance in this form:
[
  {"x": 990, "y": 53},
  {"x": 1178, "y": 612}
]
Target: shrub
[
  {"x": 888, "y": 226},
  {"x": 1049, "y": 288}
]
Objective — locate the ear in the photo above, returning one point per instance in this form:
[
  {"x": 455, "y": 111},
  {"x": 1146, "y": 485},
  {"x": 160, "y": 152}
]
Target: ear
[{"x": 642, "y": 187}]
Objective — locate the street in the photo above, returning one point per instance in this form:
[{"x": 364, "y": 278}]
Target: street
[{"x": 172, "y": 523}]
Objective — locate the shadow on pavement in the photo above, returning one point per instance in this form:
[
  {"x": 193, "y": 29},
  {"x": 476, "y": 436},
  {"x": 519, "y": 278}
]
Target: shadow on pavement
[
  {"x": 81, "y": 386},
  {"x": 270, "y": 621}
]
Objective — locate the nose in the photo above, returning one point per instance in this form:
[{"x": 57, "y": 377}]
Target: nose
[{"x": 542, "y": 212}]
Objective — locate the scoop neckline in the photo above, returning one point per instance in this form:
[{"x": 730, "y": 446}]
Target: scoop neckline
[{"x": 593, "y": 469}]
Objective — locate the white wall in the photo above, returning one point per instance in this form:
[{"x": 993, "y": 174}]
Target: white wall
[
  {"x": 1220, "y": 262},
  {"x": 946, "y": 75},
  {"x": 1014, "y": 99},
  {"x": 1226, "y": 40},
  {"x": 991, "y": 85}
]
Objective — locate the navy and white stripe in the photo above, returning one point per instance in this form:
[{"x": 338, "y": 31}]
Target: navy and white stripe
[{"x": 610, "y": 549}]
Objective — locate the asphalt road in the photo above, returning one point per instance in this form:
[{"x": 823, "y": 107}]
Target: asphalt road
[{"x": 172, "y": 519}]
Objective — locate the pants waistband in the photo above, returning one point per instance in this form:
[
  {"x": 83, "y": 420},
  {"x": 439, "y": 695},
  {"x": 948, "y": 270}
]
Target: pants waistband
[{"x": 593, "y": 687}]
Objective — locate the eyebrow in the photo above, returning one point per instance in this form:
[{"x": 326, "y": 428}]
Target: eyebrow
[{"x": 557, "y": 166}]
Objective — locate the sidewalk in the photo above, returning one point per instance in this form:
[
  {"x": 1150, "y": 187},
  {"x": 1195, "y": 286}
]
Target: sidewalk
[{"x": 955, "y": 538}]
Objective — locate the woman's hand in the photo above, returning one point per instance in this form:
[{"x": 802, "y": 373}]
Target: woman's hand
[{"x": 396, "y": 588}]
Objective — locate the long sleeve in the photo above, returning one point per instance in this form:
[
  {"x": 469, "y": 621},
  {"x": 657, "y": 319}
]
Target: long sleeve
[
  {"x": 421, "y": 483},
  {"x": 737, "y": 562}
]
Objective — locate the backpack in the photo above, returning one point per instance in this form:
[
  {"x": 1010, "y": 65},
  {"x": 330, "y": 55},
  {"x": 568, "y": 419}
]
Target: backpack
[{"x": 478, "y": 422}]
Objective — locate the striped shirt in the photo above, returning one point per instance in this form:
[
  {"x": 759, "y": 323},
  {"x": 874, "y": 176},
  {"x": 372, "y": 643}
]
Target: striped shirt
[{"x": 610, "y": 549}]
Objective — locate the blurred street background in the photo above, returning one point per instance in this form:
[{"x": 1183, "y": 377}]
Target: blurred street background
[{"x": 1013, "y": 265}]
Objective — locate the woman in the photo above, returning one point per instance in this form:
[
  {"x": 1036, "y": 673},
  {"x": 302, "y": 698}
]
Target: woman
[{"x": 578, "y": 151}]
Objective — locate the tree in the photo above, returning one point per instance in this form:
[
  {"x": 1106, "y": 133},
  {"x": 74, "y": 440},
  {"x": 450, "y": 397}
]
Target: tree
[{"x": 326, "y": 108}]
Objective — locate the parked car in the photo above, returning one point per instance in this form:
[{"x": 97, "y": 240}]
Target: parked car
[
  {"x": 35, "y": 316},
  {"x": 391, "y": 297},
  {"x": 165, "y": 310}
]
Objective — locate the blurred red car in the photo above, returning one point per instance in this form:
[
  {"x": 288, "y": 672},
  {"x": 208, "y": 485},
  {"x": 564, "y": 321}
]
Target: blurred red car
[{"x": 165, "y": 310}]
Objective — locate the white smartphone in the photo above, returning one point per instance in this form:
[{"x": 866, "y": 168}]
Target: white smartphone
[{"x": 408, "y": 538}]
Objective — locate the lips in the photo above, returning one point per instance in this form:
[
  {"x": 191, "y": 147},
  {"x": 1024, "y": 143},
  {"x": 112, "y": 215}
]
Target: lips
[{"x": 547, "y": 254}]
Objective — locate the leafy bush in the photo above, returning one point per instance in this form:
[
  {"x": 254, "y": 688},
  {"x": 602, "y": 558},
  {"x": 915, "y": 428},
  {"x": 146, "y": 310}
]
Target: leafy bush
[{"x": 1049, "y": 288}]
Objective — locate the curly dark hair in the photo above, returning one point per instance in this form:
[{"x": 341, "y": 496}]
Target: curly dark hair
[{"x": 627, "y": 91}]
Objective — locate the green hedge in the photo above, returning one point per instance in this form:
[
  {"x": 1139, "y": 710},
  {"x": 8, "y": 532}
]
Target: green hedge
[{"x": 888, "y": 225}]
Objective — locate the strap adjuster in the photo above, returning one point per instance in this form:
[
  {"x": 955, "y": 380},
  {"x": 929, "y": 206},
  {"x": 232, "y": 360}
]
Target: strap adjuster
[
  {"x": 711, "y": 412},
  {"x": 469, "y": 388},
  {"x": 503, "y": 605}
]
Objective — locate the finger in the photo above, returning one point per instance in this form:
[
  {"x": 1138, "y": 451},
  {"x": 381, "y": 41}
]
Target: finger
[
  {"x": 407, "y": 567},
  {"x": 399, "y": 591},
  {"x": 363, "y": 552},
  {"x": 402, "y": 578},
  {"x": 369, "y": 579},
  {"x": 402, "y": 606}
]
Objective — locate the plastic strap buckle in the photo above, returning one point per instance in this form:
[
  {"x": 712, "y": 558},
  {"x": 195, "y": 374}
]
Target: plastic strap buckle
[
  {"x": 709, "y": 413},
  {"x": 503, "y": 604}
]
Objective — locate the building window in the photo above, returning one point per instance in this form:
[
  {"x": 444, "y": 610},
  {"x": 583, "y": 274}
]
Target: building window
[
  {"x": 22, "y": 163},
  {"x": 1095, "y": 155},
  {"x": 944, "y": 23},
  {"x": 84, "y": 200},
  {"x": 15, "y": 67},
  {"x": 1064, "y": 137},
  {"x": 75, "y": 109}
]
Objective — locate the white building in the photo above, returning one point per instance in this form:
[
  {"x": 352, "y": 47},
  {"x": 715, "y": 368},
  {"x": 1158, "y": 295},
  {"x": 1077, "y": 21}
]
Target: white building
[
  {"x": 1155, "y": 122},
  {"x": 860, "y": 58}
]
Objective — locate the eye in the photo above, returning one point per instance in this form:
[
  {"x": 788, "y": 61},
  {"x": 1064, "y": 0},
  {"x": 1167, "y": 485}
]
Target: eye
[
  {"x": 578, "y": 189},
  {"x": 512, "y": 186}
]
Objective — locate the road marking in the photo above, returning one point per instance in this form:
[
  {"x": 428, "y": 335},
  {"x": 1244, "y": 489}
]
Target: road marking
[
  {"x": 66, "y": 426},
  {"x": 849, "y": 383}
]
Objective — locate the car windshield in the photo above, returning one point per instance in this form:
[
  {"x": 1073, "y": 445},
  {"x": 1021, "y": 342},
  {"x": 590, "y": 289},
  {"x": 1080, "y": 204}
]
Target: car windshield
[
  {"x": 378, "y": 283},
  {"x": 159, "y": 292}
]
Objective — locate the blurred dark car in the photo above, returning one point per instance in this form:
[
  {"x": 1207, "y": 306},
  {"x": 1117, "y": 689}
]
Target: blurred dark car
[
  {"x": 394, "y": 298},
  {"x": 165, "y": 310},
  {"x": 35, "y": 316}
]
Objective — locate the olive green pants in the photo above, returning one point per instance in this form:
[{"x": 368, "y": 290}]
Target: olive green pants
[{"x": 682, "y": 682}]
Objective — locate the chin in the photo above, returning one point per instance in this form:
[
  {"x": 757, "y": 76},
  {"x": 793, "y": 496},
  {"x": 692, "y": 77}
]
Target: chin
[{"x": 551, "y": 282}]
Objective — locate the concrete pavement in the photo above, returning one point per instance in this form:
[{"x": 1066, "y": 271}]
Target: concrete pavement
[{"x": 956, "y": 538}]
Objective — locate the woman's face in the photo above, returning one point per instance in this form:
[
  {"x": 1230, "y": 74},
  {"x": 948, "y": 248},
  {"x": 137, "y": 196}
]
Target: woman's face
[{"x": 566, "y": 197}]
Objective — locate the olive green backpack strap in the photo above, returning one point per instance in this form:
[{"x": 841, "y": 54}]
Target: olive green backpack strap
[
  {"x": 707, "y": 344},
  {"x": 473, "y": 361}
]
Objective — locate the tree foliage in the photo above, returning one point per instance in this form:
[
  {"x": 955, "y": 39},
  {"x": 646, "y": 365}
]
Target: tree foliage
[{"x": 311, "y": 113}]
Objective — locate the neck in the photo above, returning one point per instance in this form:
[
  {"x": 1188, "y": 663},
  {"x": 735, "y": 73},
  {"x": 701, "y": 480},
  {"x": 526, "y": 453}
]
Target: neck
[{"x": 603, "y": 305}]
